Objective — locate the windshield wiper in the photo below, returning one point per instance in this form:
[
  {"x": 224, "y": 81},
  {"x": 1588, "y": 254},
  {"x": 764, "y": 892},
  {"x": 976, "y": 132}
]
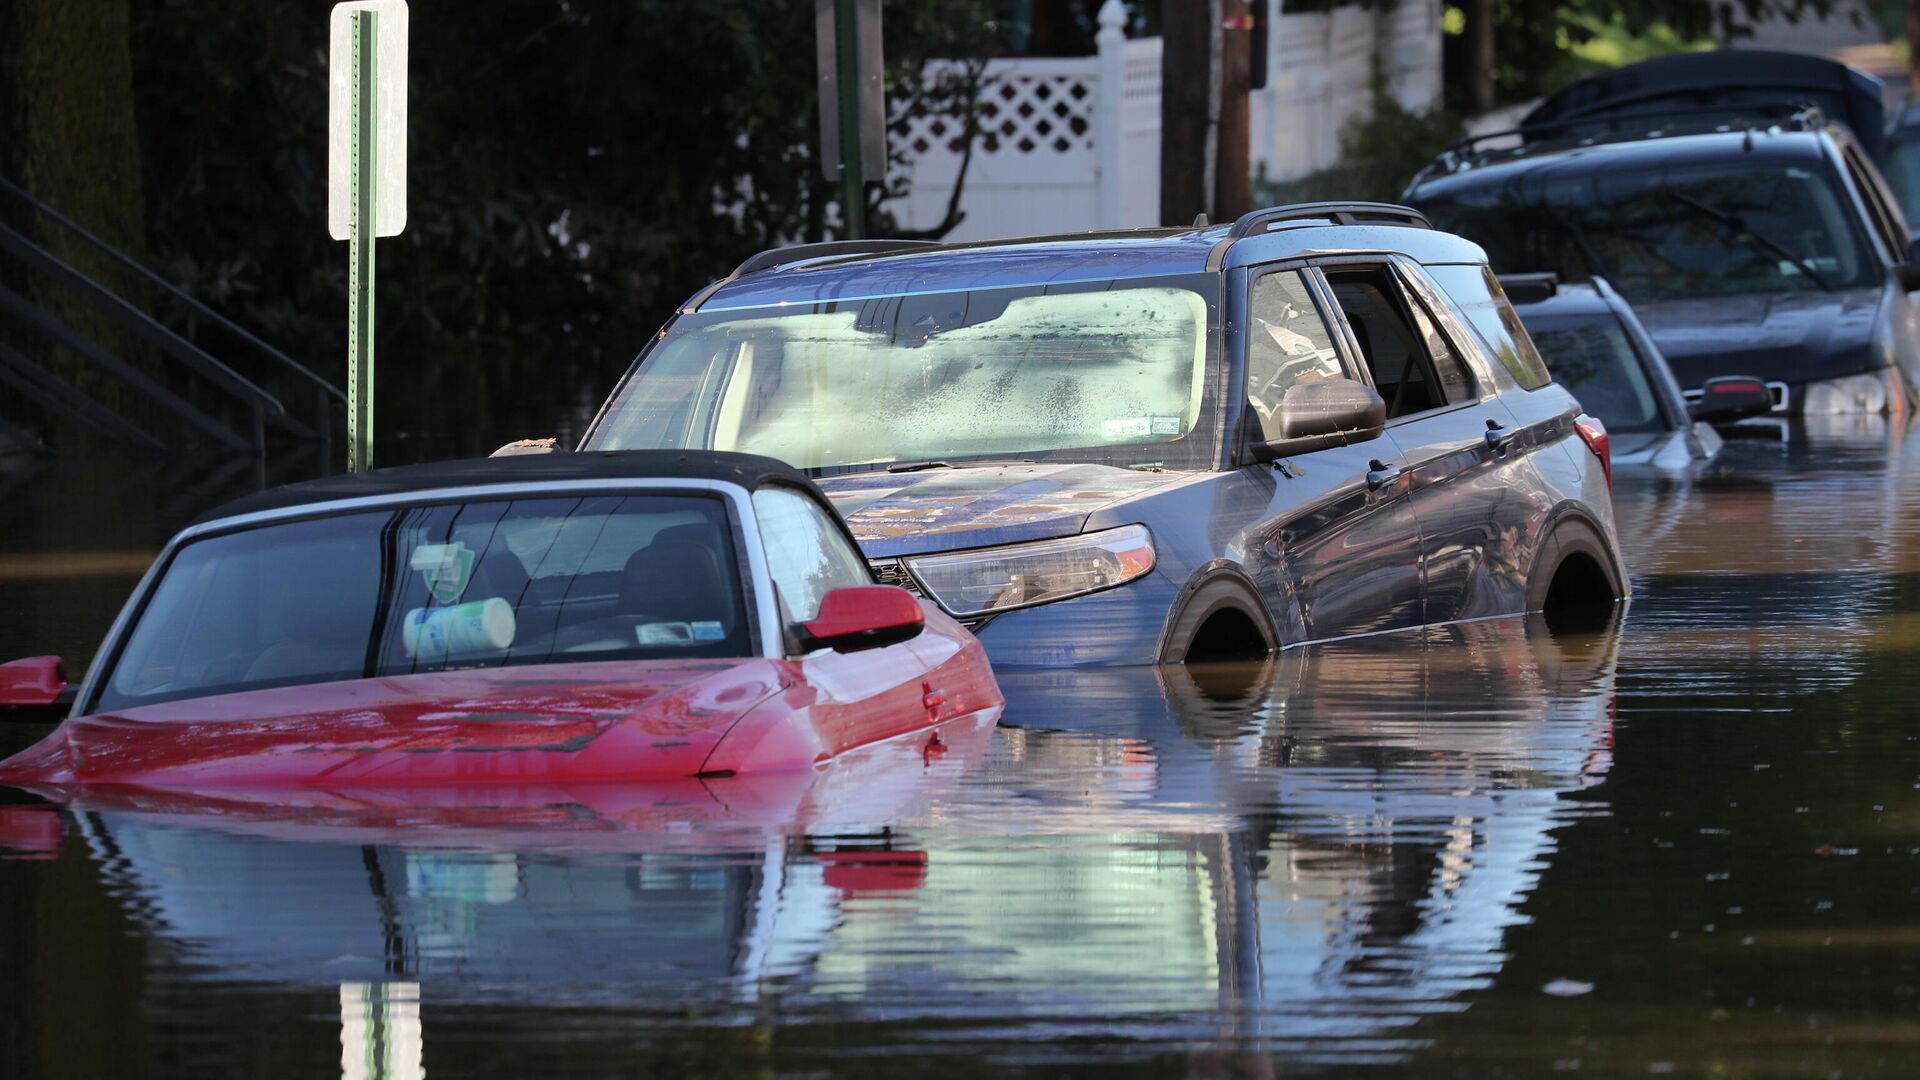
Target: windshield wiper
[
  {"x": 983, "y": 463},
  {"x": 1739, "y": 225}
]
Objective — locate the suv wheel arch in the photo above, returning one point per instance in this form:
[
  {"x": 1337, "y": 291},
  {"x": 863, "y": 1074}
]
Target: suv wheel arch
[{"x": 1219, "y": 611}]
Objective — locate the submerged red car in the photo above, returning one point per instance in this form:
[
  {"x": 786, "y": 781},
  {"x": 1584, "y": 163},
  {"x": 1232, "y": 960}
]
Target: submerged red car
[{"x": 563, "y": 618}]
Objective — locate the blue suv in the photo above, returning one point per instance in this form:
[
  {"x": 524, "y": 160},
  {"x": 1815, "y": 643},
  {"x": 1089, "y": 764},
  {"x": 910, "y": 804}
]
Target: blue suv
[{"x": 1159, "y": 445}]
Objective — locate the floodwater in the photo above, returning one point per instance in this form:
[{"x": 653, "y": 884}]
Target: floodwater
[{"x": 1688, "y": 844}]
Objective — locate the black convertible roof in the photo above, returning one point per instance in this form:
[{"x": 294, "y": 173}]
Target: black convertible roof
[{"x": 747, "y": 470}]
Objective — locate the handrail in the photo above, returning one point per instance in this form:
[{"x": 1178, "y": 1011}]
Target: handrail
[
  {"x": 115, "y": 254},
  {"x": 139, "y": 322}
]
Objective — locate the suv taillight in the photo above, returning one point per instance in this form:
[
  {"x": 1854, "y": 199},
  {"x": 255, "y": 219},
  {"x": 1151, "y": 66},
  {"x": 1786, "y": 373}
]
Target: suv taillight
[{"x": 1594, "y": 434}]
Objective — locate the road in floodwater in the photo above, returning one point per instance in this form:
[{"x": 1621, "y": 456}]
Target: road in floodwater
[{"x": 1690, "y": 844}]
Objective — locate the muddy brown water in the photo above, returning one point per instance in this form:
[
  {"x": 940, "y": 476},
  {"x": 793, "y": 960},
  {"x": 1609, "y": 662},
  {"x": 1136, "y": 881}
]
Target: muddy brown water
[{"x": 1689, "y": 843}]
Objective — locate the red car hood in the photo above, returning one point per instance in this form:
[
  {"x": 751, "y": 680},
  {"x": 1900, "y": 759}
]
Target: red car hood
[{"x": 608, "y": 720}]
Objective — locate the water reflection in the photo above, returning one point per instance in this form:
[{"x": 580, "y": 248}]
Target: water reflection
[
  {"x": 1379, "y": 852},
  {"x": 1304, "y": 856}
]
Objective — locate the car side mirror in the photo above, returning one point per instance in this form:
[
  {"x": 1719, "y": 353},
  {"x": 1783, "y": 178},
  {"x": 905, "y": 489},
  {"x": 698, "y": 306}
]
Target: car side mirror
[
  {"x": 1727, "y": 398},
  {"x": 1327, "y": 412},
  {"x": 859, "y": 617},
  {"x": 1908, "y": 273},
  {"x": 35, "y": 690}
]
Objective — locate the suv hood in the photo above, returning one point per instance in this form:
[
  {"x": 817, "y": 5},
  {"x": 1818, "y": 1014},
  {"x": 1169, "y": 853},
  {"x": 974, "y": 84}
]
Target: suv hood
[
  {"x": 1791, "y": 338},
  {"x": 912, "y": 513}
]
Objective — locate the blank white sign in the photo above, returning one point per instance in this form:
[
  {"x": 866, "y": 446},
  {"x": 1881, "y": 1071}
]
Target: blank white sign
[{"x": 390, "y": 108}]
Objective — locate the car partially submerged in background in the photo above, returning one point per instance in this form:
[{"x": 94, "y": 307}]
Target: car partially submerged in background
[
  {"x": 1597, "y": 349},
  {"x": 532, "y": 620},
  {"x": 1749, "y": 227},
  {"x": 1163, "y": 445}
]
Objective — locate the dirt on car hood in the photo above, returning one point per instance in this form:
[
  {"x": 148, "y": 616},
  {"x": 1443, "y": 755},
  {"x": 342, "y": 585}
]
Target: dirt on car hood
[{"x": 945, "y": 509}]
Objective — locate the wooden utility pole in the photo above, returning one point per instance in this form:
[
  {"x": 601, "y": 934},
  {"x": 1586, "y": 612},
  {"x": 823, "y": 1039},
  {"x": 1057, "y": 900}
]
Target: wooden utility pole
[
  {"x": 1205, "y": 68},
  {"x": 1185, "y": 85},
  {"x": 1480, "y": 54},
  {"x": 1233, "y": 164},
  {"x": 1913, "y": 47}
]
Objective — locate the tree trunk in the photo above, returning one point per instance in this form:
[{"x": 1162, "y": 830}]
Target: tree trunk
[
  {"x": 1233, "y": 165},
  {"x": 67, "y": 136},
  {"x": 1479, "y": 29},
  {"x": 1186, "y": 87}
]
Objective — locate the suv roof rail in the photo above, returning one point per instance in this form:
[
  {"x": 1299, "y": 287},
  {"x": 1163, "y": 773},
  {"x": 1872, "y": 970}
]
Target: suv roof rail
[
  {"x": 1315, "y": 213},
  {"x": 1801, "y": 116},
  {"x": 793, "y": 253},
  {"x": 1339, "y": 213}
]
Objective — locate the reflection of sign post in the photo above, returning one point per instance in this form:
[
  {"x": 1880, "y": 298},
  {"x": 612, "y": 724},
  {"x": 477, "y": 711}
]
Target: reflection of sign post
[
  {"x": 852, "y": 99},
  {"x": 366, "y": 177}
]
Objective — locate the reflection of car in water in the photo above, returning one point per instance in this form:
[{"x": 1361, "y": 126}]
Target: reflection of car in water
[
  {"x": 1172, "y": 444},
  {"x": 1327, "y": 845},
  {"x": 1790, "y": 552},
  {"x": 1754, "y": 236}
]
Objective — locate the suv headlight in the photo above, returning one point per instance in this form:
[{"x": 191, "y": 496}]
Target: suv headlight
[{"x": 1021, "y": 575}]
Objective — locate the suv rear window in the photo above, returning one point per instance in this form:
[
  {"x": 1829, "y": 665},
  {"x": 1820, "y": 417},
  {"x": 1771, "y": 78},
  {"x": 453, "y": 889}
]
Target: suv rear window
[{"x": 1478, "y": 296}]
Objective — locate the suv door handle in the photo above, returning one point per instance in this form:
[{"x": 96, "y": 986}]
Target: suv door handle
[
  {"x": 1499, "y": 438},
  {"x": 1381, "y": 474}
]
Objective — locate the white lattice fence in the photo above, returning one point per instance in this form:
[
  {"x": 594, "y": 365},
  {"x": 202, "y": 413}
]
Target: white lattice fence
[
  {"x": 1033, "y": 167},
  {"x": 1075, "y": 143}
]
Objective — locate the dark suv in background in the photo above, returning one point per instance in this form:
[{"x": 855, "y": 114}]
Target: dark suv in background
[
  {"x": 1753, "y": 237},
  {"x": 1162, "y": 445}
]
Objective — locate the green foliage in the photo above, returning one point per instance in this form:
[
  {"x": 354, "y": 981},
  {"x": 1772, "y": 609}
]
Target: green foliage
[
  {"x": 575, "y": 170},
  {"x": 1541, "y": 45},
  {"x": 1379, "y": 153}
]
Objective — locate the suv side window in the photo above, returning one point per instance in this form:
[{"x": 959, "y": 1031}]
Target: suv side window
[
  {"x": 806, "y": 554},
  {"x": 1878, "y": 201},
  {"x": 1397, "y": 354},
  {"x": 1476, "y": 292},
  {"x": 1288, "y": 342}
]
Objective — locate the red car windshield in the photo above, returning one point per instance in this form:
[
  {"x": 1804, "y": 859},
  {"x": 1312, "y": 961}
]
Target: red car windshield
[{"x": 433, "y": 587}]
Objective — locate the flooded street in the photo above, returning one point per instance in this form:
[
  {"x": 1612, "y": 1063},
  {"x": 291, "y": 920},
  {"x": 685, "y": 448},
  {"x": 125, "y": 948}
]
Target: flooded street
[{"x": 1689, "y": 843}]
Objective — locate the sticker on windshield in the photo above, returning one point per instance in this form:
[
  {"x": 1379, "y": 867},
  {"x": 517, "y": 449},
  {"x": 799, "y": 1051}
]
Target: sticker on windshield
[
  {"x": 445, "y": 568},
  {"x": 1166, "y": 425},
  {"x": 663, "y": 633},
  {"x": 1131, "y": 427},
  {"x": 708, "y": 631}
]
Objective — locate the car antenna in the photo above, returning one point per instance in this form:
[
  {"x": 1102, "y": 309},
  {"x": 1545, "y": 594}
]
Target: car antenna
[{"x": 1200, "y": 220}]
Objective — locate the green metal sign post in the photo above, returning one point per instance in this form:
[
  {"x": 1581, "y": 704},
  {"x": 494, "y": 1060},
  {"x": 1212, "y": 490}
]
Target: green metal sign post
[
  {"x": 366, "y": 176},
  {"x": 853, "y": 104},
  {"x": 360, "y": 246},
  {"x": 853, "y": 188}
]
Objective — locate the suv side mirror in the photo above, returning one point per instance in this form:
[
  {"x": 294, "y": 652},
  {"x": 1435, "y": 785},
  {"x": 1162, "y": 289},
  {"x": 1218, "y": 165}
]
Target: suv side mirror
[
  {"x": 35, "y": 690},
  {"x": 859, "y": 617},
  {"x": 1731, "y": 397},
  {"x": 1328, "y": 412},
  {"x": 1908, "y": 273}
]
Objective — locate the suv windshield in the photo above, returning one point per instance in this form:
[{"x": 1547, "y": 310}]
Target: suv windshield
[
  {"x": 1113, "y": 372},
  {"x": 427, "y": 588},
  {"x": 1591, "y": 356},
  {"x": 1670, "y": 232}
]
